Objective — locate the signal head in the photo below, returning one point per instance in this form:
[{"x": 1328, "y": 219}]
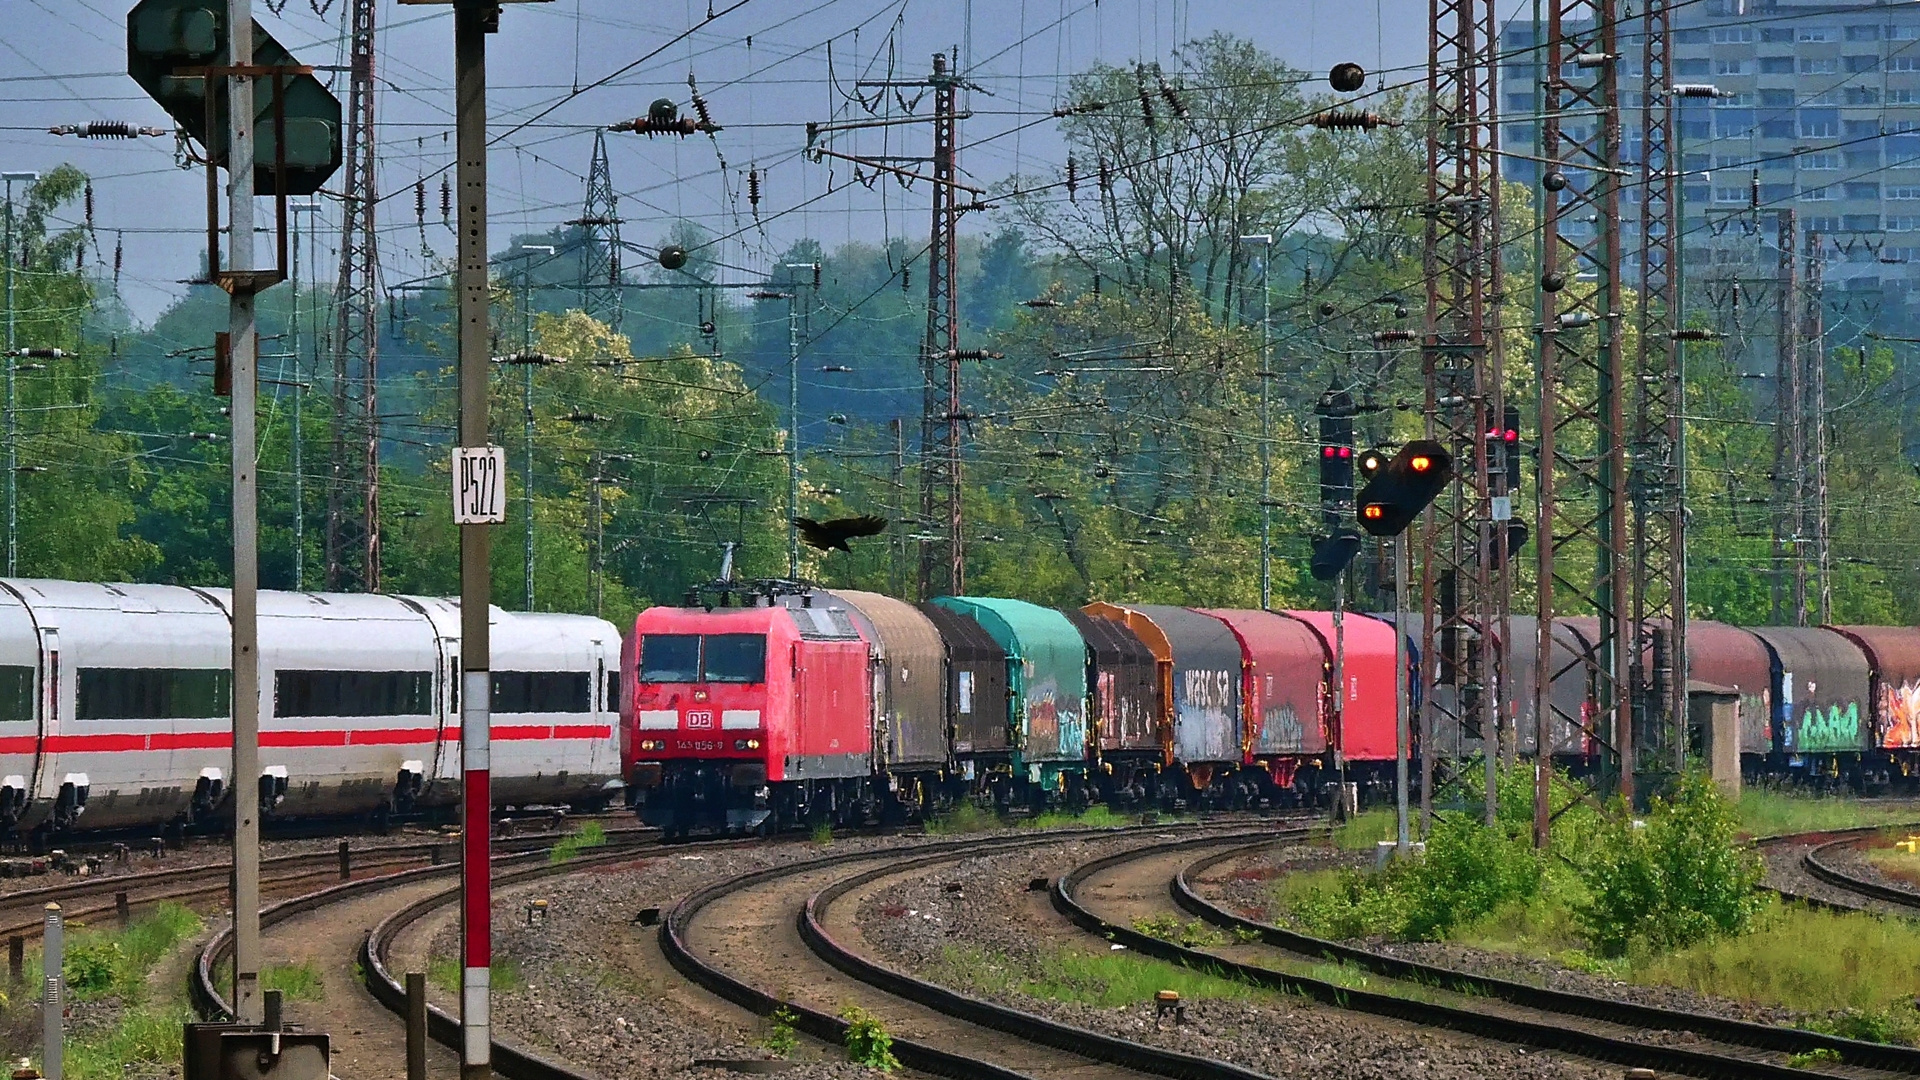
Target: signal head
[
  {"x": 1371, "y": 462},
  {"x": 1373, "y": 511}
]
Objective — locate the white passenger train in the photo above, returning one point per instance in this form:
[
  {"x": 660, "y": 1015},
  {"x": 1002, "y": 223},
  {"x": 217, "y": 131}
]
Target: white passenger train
[{"x": 115, "y": 705}]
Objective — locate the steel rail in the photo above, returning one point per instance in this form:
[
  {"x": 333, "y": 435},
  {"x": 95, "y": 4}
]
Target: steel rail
[
  {"x": 822, "y": 1025},
  {"x": 1430, "y": 1014},
  {"x": 1015, "y": 1022},
  {"x": 1840, "y": 879},
  {"x": 1786, "y": 1040}
]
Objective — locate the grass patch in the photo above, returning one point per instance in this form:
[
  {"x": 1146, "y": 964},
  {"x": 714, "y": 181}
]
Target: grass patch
[
  {"x": 145, "y": 1036},
  {"x": 114, "y": 963},
  {"x": 1097, "y": 816},
  {"x": 1107, "y": 980},
  {"x": 1773, "y": 813},
  {"x": 444, "y": 973},
  {"x": 589, "y": 835},
  {"x": 1193, "y": 934},
  {"x": 297, "y": 982},
  {"x": 1362, "y": 831},
  {"x": 1814, "y": 961},
  {"x": 968, "y": 817},
  {"x": 1895, "y": 863}
]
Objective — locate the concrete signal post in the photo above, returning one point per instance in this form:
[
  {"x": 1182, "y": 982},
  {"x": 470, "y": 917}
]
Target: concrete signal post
[{"x": 479, "y": 504}]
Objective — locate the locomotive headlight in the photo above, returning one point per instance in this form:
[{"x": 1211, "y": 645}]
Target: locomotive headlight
[
  {"x": 753, "y": 744},
  {"x": 746, "y": 744}
]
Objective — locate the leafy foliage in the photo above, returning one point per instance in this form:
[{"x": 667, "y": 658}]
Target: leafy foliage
[
  {"x": 868, "y": 1042},
  {"x": 781, "y": 1038},
  {"x": 1680, "y": 877}
]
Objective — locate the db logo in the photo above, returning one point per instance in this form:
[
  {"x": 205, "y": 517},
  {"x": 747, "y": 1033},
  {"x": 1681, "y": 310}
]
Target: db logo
[{"x": 699, "y": 718}]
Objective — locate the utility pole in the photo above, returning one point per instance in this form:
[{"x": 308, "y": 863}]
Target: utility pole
[
  {"x": 527, "y": 358},
  {"x": 1463, "y": 599},
  {"x": 353, "y": 491},
  {"x": 299, "y": 384},
  {"x": 897, "y": 543},
  {"x": 240, "y": 281},
  {"x": 13, "y": 401},
  {"x": 1813, "y": 337},
  {"x": 793, "y": 416},
  {"x": 1789, "y": 440},
  {"x": 942, "y": 561},
  {"x": 1265, "y": 240}
]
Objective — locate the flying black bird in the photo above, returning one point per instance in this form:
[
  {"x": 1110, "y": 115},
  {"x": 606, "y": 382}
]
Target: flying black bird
[{"x": 827, "y": 535}]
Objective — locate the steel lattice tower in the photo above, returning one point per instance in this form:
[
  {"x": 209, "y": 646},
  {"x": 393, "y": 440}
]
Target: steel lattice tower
[
  {"x": 600, "y": 292},
  {"x": 942, "y": 562},
  {"x": 1658, "y": 471},
  {"x": 1584, "y": 543},
  {"x": 1463, "y": 577},
  {"x": 1789, "y": 438},
  {"x": 353, "y": 481}
]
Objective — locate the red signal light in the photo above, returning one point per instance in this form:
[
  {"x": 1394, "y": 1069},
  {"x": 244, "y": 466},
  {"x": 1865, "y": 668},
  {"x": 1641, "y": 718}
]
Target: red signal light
[
  {"x": 1512, "y": 435},
  {"x": 1346, "y": 451},
  {"x": 1326, "y": 451}
]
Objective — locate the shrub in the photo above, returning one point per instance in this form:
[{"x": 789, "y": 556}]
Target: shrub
[
  {"x": 1683, "y": 877},
  {"x": 91, "y": 966},
  {"x": 868, "y": 1042}
]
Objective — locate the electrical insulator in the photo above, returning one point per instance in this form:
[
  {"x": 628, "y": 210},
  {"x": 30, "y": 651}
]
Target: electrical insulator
[
  {"x": 1106, "y": 177},
  {"x": 816, "y": 276},
  {"x": 700, "y": 109},
  {"x": 1146, "y": 100},
  {"x": 1694, "y": 335},
  {"x": 106, "y": 129},
  {"x": 1753, "y": 189},
  {"x": 753, "y": 191},
  {"x": 89, "y": 205},
  {"x": 1388, "y": 337},
  {"x": 1073, "y": 178},
  {"x": 446, "y": 202},
  {"x": 1345, "y": 120},
  {"x": 119, "y": 257},
  {"x": 1173, "y": 99},
  {"x": 1694, "y": 90},
  {"x": 420, "y": 200}
]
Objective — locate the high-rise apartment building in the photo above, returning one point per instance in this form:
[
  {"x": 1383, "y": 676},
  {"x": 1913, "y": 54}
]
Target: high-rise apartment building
[{"x": 1818, "y": 111}]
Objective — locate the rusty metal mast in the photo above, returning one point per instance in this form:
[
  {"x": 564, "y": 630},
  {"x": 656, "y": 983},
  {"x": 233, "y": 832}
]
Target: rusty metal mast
[
  {"x": 1463, "y": 574},
  {"x": 1658, "y": 476},
  {"x": 942, "y": 562},
  {"x": 1583, "y": 545},
  {"x": 1789, "y": 437},
  {"x": 353, "y": 479},
  {"x": 600, "y": 293}
]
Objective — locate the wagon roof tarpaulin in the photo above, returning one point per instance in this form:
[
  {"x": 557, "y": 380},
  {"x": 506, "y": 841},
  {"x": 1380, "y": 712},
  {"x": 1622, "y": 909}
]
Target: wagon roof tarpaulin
[
  {"x": 1047, "y": 668},
  {"x": 1286, "y": 671},
  {"x": 1822, "y": 697},
  {"x": 1894, "y": 652}
]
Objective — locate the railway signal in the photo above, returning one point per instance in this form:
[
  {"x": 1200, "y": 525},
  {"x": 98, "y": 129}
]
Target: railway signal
[
  {"x": 1404, "y": 486},
  {"x": 1335, "y": 411}
]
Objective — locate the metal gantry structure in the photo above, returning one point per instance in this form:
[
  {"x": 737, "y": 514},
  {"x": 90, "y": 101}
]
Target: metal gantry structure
[
  {"x": 600, "y": 293},
  {"x": 942, "y": 562},
  {"x": 353, "y": 478},
  {"x": 1657, "y": 472},
  {"x": 1463, "y": 587},
  {"x": 1584, "y": 548}
]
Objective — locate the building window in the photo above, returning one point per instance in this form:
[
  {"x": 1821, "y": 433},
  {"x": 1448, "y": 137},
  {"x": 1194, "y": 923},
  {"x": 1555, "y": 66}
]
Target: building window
[
  {"x": 1903, "y": 63},
  {"x": 1777, "y": 99},
  {"x": 1691, "y": 36},
  {"x": 1815, "y": 33},
  {"x": 1819, "y": 161},
  {"x": 1857, "y": 64},
  {"x": 1864, "y": 159},
  {"x": 1769, "y": 65},
  {"x": 1861, "y": 95},
  {"x": 1900, "y": 97},
  {"x": 1730, "y": 67},
  {"x": 153, "y": 694},
  {"x": 1776, "y": 193},
  {"x": 1821, "y": 224},
  {"x": 1902, "y": 193},
  {"x": 542, "y": 692},
  {"x": 1819, "y": 65},
  {"x": 1814, "y": 194},
  {"x": 1730, "y": 35},
  {"x": 1907, "y": 32},
  {"x": 1903, "y": 224},
  {"x": 352, "y": 693},
  {"x": 1863, "y": 191},
  {"x": 1821, "y": 124},
  {"x": 1733, "y": 121},
  {"x": 1862, "y": 222},
  {"x": 1729, "y": 194},
  {"x": 1694, "y": 67},
  {"x": 1866, "y": 32}
]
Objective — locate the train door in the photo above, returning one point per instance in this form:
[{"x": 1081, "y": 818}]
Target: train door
[
  {"x": 20, "y": 713},
  {"x": 445, "y": 767},
  {"x": 45, "y": 781}
]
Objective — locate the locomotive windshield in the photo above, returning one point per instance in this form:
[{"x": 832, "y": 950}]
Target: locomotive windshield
[
  {"x": 736, "y": 658},
  {"x": 670, "y": 658}
]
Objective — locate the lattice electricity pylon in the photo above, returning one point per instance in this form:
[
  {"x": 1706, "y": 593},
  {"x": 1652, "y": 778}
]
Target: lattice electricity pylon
[
  {"x": 353, "y": 479},
  {"x": 1658, "y": 631},
  {"x": 1813, "y": 361},
  {"x": 942, "y": 562},
  {"x": 1583, "y": 478},
  {"x": 1789, "y": 438},
  {"x": 1463, "y": 558},
  {"x": 600, "y": 292}
]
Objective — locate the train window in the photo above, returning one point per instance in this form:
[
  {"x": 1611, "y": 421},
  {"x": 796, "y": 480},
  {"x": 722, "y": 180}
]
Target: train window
[
  {"x": 352, "y": 693},
  {"x": 16, "y": 694},
  {"x": 153, "y": 694},
  {"x": 735, "y": 658},
  {"x": 613, "y": 691},
  {"x": 670, "y": 658},
  {"x": 542, "y": 691}
]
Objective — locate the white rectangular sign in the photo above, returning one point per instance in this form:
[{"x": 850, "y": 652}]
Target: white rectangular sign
[{"x": 479, "y": 485}]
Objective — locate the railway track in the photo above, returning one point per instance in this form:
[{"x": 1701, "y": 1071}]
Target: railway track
[
  {"x": 1817, "y": 863},
  {"x": 1106, "y": 896}
]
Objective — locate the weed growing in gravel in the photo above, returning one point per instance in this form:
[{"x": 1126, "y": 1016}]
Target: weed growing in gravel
[
  {"x": 1819, "y": 1055},
  {"x": 781, "y": 1038},
  {"x": 968, "y": 817},
  {"x": 1112, "y": 979},
  {"x": 103, "y": 963},
  {"x": 822, "y": 835},
  {"x": 148, "y": 1036},
  {"x": 589, "y": 835},
  {"x": 1098, "y": 816},
  {"x": 444, "y": 972},
  {"x": 299, "y": 982},
  {"x": 868, "y": 1042},
  {"x": 1896, "y": 1023},
  {"x": 1168, "y": 927},
  {"x": 1364, "y": 830}
]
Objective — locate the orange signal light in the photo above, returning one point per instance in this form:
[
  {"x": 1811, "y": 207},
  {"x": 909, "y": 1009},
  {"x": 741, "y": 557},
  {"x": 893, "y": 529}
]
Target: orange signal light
[
  {"x": 1421, "y": 463},
  {"x": 1373, "y": 511}
]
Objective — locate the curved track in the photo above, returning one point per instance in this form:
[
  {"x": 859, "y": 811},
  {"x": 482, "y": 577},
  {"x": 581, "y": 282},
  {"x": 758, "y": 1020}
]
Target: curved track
[
  {"x": 1152, "y": 880},
  {"x": 1817, "y": 865}
]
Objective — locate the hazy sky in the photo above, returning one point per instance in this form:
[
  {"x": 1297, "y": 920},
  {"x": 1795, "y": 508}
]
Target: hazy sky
[{"x": 766, "y": 67}]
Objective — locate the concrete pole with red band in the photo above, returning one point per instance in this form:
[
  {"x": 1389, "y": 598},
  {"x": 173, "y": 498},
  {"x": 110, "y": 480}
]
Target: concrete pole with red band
[{"x": 470, "y": 24}]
